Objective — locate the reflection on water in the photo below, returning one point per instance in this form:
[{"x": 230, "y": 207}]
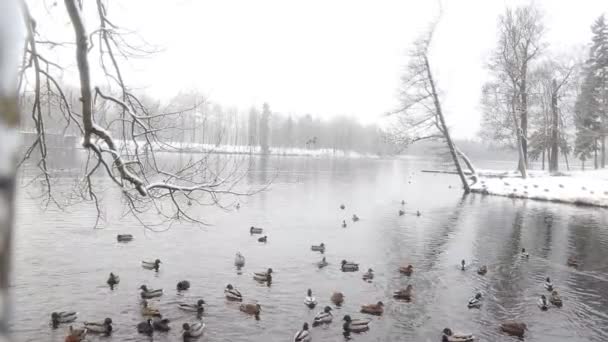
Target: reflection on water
[{"x": 61, "y": 263}]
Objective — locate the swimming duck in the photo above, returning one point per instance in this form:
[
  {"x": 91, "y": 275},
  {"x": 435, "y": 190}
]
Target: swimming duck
[
  {"x": 198, "y": 307},
  {"x": 355, "y": 218},
  {"x": 572, "y": 262},
  {"x": 75, "y": 335},
  {"x": 462, "y": 265},
  {"x": 254, "y": 230},
  {"x": 232, "y": 293},
  {"x": 183, "y": 285},
  {"x": 369, "y": 275},
  {"x": 62, "y": 317},
  {"x": 113, "y": 279},
  {"x": 355, "y": 325},
  {"x": 151, "y": 265},
  {"x": 193, "y": 330},
  {"x": 482, "y": 270},
  {"x": 418, "y": 213},
  {"x": 342, "y": 206},
  {"x": 548, "y": 284},
  {"x": 514, "y": 328},
  {"x": 337, "y": 298},
  {"x": 475, "y": 302},
  {"x": 264, "y": 276},
  {"x": 239, "y": 260},
  {"x": 238, "y": 206},
  {"x": 104, "y": 327},
  {"x": 310, "y": 301},
  {"x": 401, "y": 212},
  {"x": 407, "y": 270},
  {"x": 349, "y": 266},
  {"x": 145, "y": 327},
  {"x": 147, "y": 293},
  {"x": 556, "y": 299},
  {"x": 148, "y": 311},
  {"x": 263, "y": 239},
  {"x": 405, "y": 294},
  {"x": 343, "y": 223},
  {"x": 251, "y": 309},
  {"x": 402, "y": 202},
  {"x": 373, "y": 309},
  {"x": 323, "y": 317},
  {"x": 161, "y": 324},
  {"x": 124, "y": 237},
  {"x": 303, "y": 335},
  {"x": 449, "y": 336},
  {"x": 322, "y": 263},
  {"x": 542, "y": 303},
  {"x": 524, "y": 254},
  {"x": 319, "y": 248}
]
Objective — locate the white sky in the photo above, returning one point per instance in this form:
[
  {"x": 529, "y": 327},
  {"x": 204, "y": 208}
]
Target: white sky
[{"x": 328, "y": 57}]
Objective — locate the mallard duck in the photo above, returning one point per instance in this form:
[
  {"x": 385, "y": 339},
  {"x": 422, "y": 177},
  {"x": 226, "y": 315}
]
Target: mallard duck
[
  {"x": 263, "y": 239},
  {"x": 161, "y": 324},
  {"x": 193, "y": 330},
  {"x": 310, "y": 301},
  {"x": 251, "y": 309},
  {"x": 239, "y": 260},
  {"x": 405, "y": 294},
  {"x": 148, "y": 293},
  {"x": 343, "y": 223},
  {"x": 198, "y": 307},
  {"x": 322, "y": 263},
  {"x": 475, "y": 302},
  {"x": 369, "y": 275},
  {"x": 337, "y": 298},
  {"x": 323, "y": 317},
  {"x": 355, "y": 218},
  {"x": 147, "y": 310},
  {"x": 232, "y": 293},
  {"x": 524, "y": 254},
  {"x": 113, "y": 279},
  {"x": 347, "y": 266},
  {"x": 514, "y": 328},
  {"x": 572, "y": 262},
  {"x": 183, "y": 285},
  {"x": 319, "y": 248},
  {"x": 355, "y": 325},
  {"x": 145, "y": 327},
  {"x": 254, "y": 230},
  {"x": 407, "y": 270},
  {"x": 263, "y": 276},
  {"x": 401, "y": 212},
  {"x": 342, "y": 206},
  {"x": 462, "y": 265},
  {"x": 75, "y": 335},
  {"x": 151, "y": 265},
  {"x": 556, "y": 299},
  {"x": 104, "y": 327},
  {"x": 303, "y": 335},
  {"x": 124, "y": 237},
  {"x": 542, "y": 303},
  {"x": 482, "y": 270},
  {"x": 63, "y": 317},
  {"x": 548, "y": 284},
  {"x": 449, "y": 336},
  {"x": 373, "y": 309}
]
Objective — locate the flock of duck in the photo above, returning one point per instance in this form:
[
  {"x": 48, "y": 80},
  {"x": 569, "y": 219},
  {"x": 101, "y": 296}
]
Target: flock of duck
[{"x": 154, "y": 321}]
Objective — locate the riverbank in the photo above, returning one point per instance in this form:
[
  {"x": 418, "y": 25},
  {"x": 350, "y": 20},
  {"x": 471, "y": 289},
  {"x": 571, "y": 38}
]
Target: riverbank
[{"x": 574, "y": 187}]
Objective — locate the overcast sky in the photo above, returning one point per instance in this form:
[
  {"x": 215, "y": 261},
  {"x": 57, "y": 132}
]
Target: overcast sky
[{"x": 329, "y": 57}]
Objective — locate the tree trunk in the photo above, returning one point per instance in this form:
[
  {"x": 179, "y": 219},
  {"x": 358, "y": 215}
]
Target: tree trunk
[
  {"x": 444, "y": 127},
  {"x": 603, "y": 150},
  {"x": 524, "y": 113},
  {"x": 553, "y": 160},
  {"x": 595, "y": 154},
  {"x": 522, "y": 166},
  {"x": 543, "y": 159}
]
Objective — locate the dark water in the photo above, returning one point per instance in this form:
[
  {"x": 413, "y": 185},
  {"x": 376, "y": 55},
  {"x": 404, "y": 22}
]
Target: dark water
[{"x": 61, "y": 263}]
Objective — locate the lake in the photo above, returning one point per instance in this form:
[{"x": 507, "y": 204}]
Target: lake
[{"x": 62, "y": 263}]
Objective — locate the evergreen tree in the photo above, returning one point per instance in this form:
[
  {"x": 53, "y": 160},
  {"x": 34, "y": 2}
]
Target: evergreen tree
[
  {"x": 253, "y": 127},
  {"x": 265, "y": 128},
  {"x": 598, "y": 65}
]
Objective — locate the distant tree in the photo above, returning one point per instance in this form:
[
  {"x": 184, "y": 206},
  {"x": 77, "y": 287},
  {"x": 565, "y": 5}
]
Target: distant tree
[
  {"x": 289, "y": 132},
  {"x": 587, "y": 118},
  {"x": 598, "y": 65},
  {"x": 253, "y": 127},
  {"x": 265, "y": 128}
]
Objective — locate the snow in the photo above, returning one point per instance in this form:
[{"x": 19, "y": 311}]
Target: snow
[{"x": 576, "y": 187}]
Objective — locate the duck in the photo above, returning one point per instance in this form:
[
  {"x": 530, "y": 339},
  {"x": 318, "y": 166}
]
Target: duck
[
  {"x": 369, "y": 275},
  {"x": 572, "y": 262},
  {"x": 555, "y": 299},
  {"x": 349, "y": 266},
  {"x": 482, "y": 270},
  {"x": 542, "y": 303},
  {"x": 402, "y": 202},
  {"x": 145, "y": 327},
  {"x": 323, "y": 317},
  {"x": 251, "y": 309},
  {"x": 514, "y": 328},
  {"x": 149, "y": 311},
  {"x": 322, "y": 263},
  {"x": 161, "y": 324},
  {"x": 263, "y": 276},
  {"x": 254, "y": 230},
  {"x": 405, "y": 294},
  {"x": 63, "y": 317},
  {"x": 355, "y": 218},
  {"x": 124, "y": 237},
  {"x": 232, "y": 293},
  {"x": 449, "y": 336},
  {"x": 113, "y": 279},
  {"x": 263, "y": 239},
  {"x": 183, "y": 285},
  {"x": 104, "y": 327},
  {"x": 75, "y": 335},
  {"x": 475, "y": 302},
  {"x": 239, "y": 260},
  {"x": 418, "y": 213},
  {"x": 401, "y": 212},
  {"x": 310, "y": 301},
  {"x": 524, "y": 254},
  {"x": 319, "y": 248},
  {"x": 198, "y": 307},
  {"x": 407, "y": 270},
  {"x": 342, "y": 206},
  {"x": 303, "y": 335},
  {"x": 193, "y": 330},
  {"x": 151, "y": 265},
  {"x": 343, "y": 223},
  {"x": 147, "y": 293},
  {"x": 373, "y": 309},
  {"x": 548, "y": 284},
  {"x": 337, "y": 298},
  {"x": 355, "y": 325},
  {"x": 238, "y": 206},
  {"x": 462, "y": 265}
]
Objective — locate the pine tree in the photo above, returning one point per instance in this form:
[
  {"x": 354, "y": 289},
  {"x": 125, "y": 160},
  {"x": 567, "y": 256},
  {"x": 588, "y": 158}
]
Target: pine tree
[
  {"x": 587, "y": 119},
  {"x": 598, "y": 64}
]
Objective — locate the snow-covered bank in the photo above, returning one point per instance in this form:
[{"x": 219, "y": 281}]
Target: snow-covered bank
[{"x": 577, "y": 187}]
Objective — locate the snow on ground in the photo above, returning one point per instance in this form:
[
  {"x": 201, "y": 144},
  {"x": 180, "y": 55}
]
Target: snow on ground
[{"x": 577, "y": 187}]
